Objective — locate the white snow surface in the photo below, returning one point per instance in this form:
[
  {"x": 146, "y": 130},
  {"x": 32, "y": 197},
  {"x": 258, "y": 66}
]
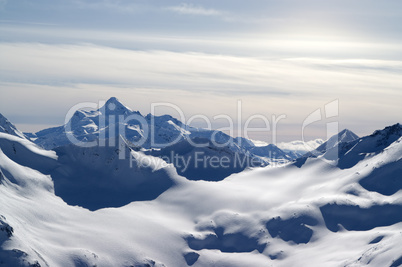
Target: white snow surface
[
  {"x": 7, "y": 127},
  {"x": 233, "y": 222}
]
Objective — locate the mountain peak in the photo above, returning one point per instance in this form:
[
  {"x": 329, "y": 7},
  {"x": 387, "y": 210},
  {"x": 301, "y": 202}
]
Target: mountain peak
[
  {"x": 343, "y": 136},
  {"x": 113, "y": 100},
  {"x": 390, "y": 130},
  {"x": 347, "y": 135},
  {"x": 2, "y": 118},
  {"x": 114, "y": 106},
  {"x": 7, "y": 127}
]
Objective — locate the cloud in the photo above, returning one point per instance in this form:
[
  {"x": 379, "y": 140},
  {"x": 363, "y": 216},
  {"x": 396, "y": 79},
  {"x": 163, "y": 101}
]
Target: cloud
[
  {"x": 190, "y": 71},
  {"x": 55, "y": 77},
  {"x": 189, "y": 9}
]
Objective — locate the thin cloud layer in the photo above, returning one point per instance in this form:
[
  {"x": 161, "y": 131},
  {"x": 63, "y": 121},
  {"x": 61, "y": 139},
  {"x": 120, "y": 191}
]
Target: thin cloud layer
[
  {"x": 70, "y": 64},
  {"x": 193, "y": 81},
  {"x": 190, "y": 9}
]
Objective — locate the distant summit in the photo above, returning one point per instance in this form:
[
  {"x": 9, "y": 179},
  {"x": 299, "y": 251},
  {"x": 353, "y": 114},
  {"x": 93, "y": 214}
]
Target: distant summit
[
  {"x": 114, "y": 107},
  {"x": 345, "y": 150},
  {"x": 343, "y": 136}
]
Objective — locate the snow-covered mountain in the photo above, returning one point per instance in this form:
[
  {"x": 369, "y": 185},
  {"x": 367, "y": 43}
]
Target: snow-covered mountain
[
  {"x": 114, "y": 119},
  {"x": 7, "y": 127},
  {"x": 87, "y": 126},
  {"x": 349, "y": 150},
  {"x": 155, "y": 132},
  {"x": 343, "y": 136},
  {"x": 314, "y": 214},
  {"x": 149, "y": 132},
  {"x": 331, "y": 148}
]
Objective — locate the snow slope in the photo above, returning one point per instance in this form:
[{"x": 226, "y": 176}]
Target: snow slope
[
  {"x": 7, "y": 127},
  {"x": 315, "y": 214}
]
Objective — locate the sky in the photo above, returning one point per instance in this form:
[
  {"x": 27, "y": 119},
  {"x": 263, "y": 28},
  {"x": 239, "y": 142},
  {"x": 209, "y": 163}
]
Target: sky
[{"x": 278, "y": 57}]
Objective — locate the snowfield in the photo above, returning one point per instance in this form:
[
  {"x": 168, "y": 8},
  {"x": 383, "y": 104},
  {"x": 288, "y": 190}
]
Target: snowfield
[{"x": 317, "y": 211}]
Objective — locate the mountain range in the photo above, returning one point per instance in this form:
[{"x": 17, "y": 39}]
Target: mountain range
[
  {"x": 155, "y": 132},
  {"x": 162, "y": 136}
]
